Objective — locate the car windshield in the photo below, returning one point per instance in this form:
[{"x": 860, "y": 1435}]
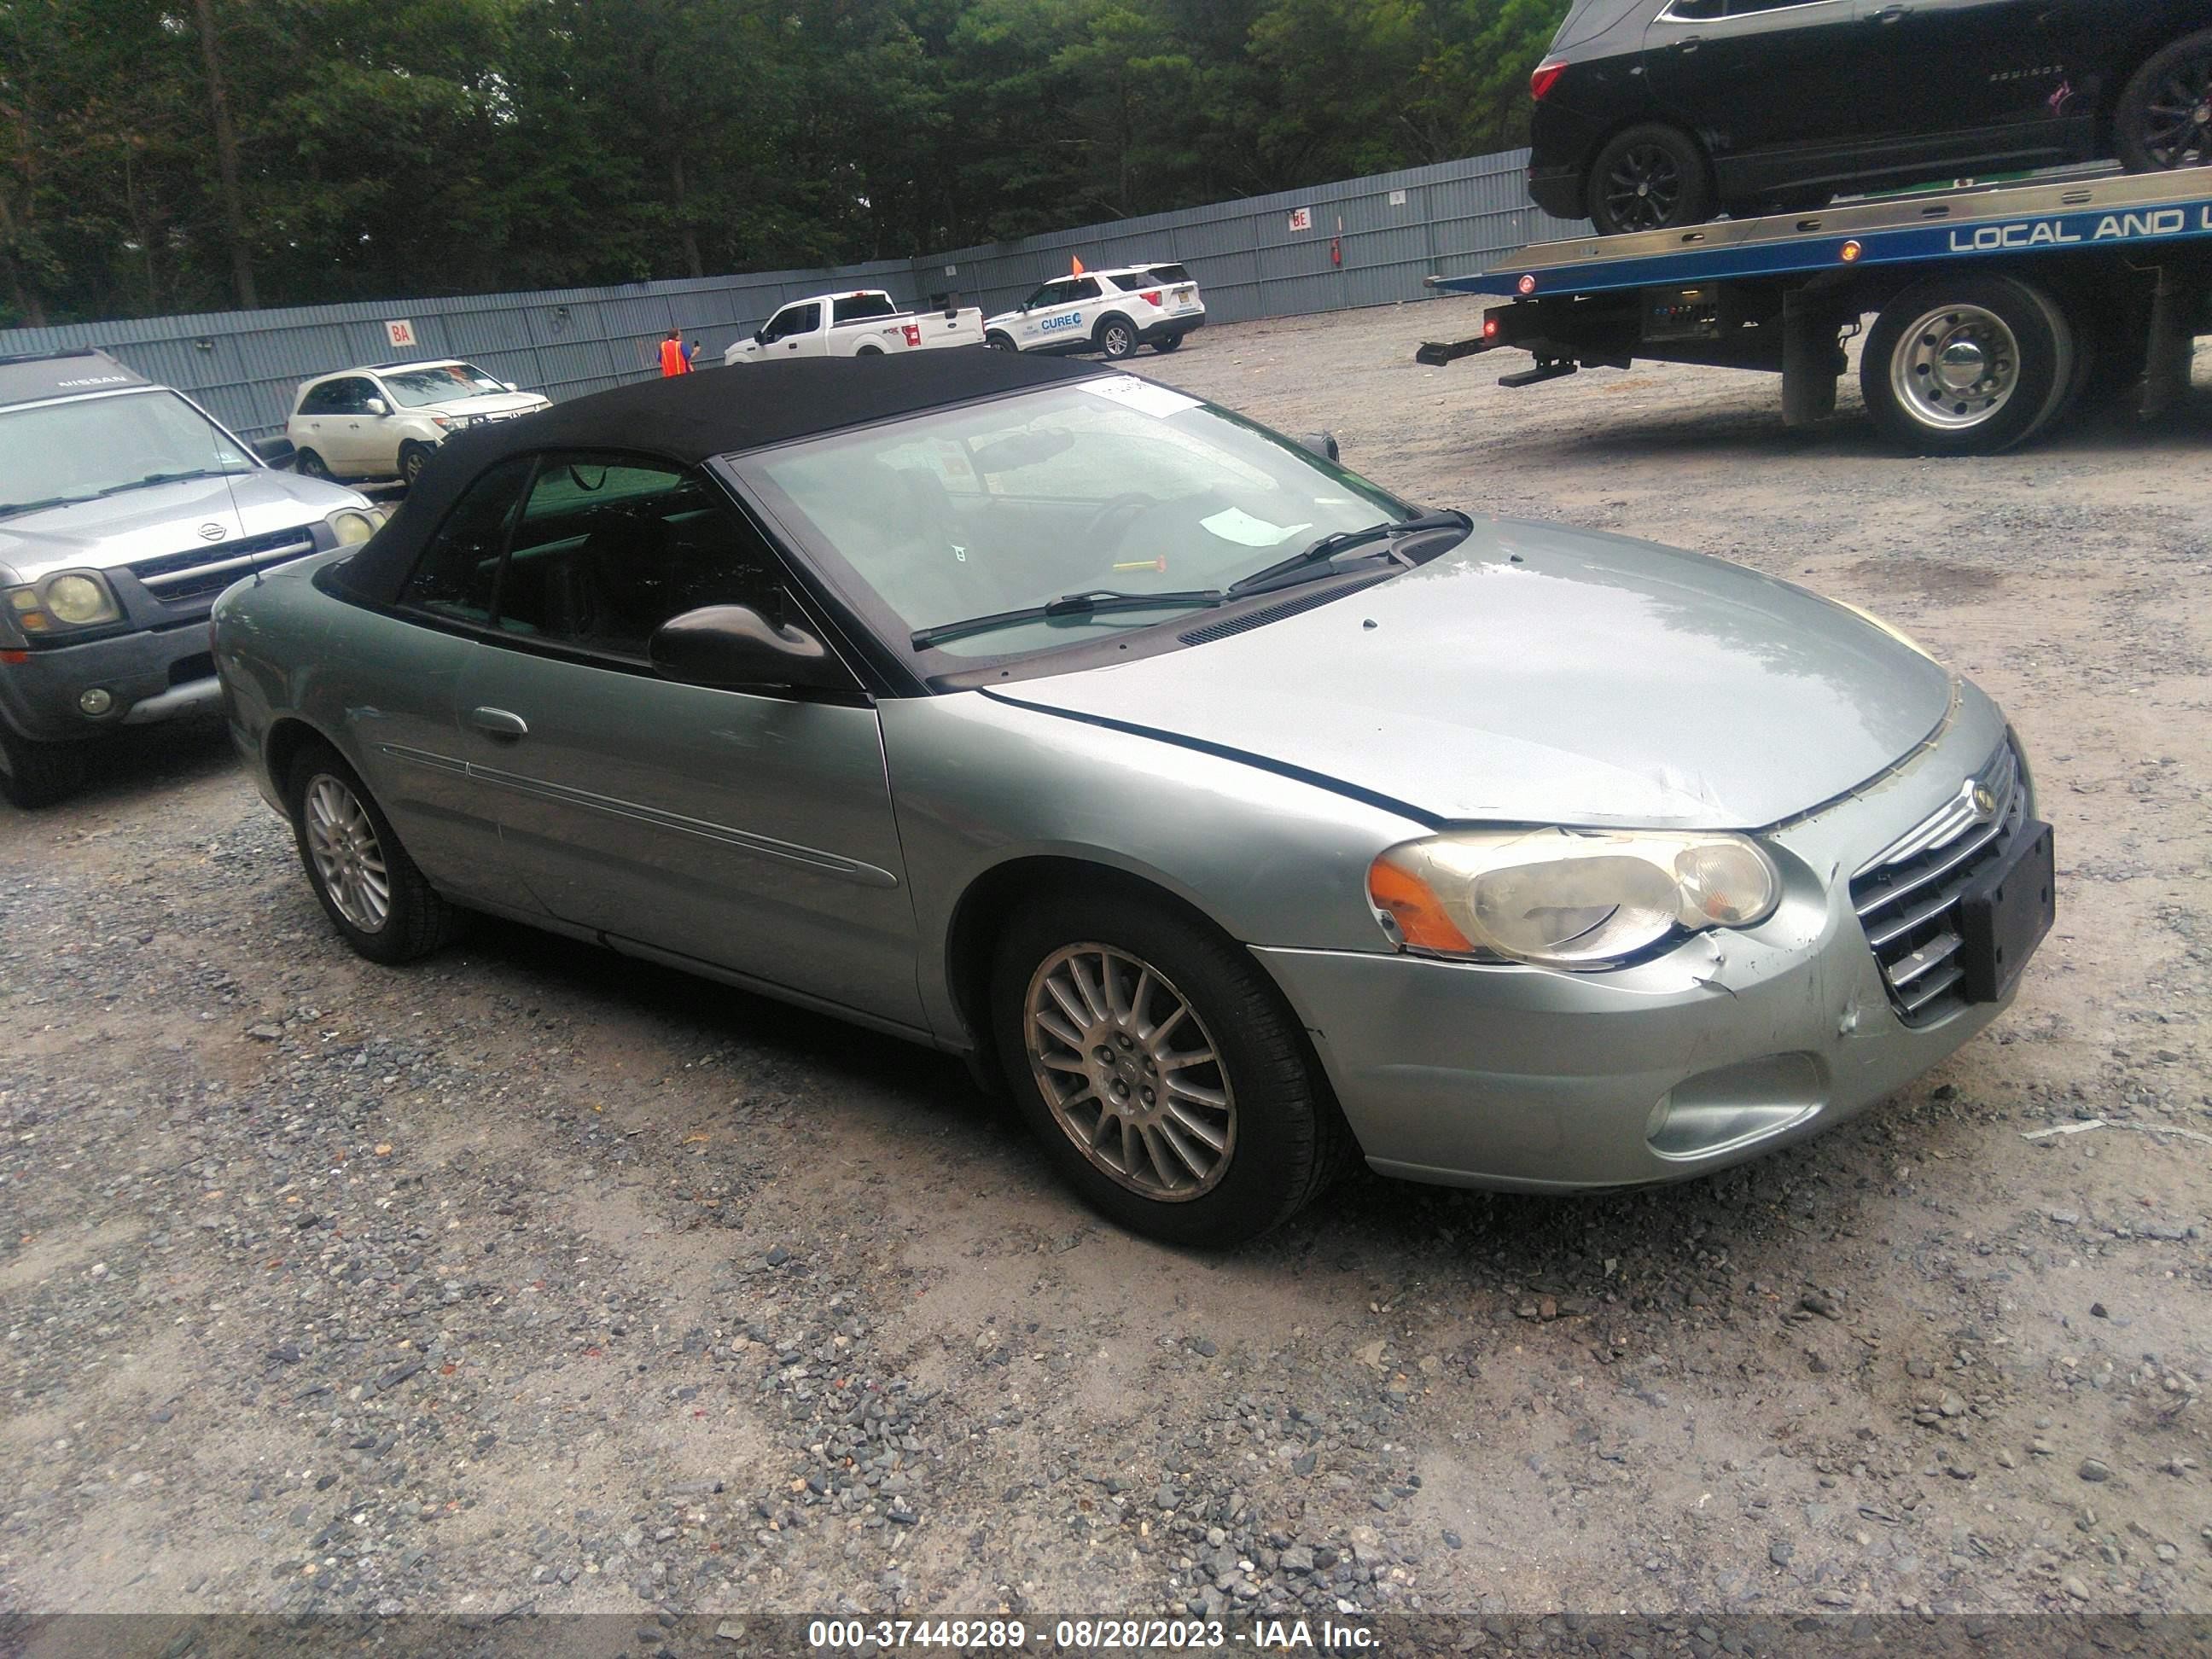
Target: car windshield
[
  {"x": 1105, "y": 483},
  {"x": 439, "y": 383},
  {"x": 55, "y": 453}
]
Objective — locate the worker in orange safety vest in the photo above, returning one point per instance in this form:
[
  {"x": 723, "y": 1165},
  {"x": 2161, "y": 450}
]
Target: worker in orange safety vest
[{"x": 673, "y": 359}]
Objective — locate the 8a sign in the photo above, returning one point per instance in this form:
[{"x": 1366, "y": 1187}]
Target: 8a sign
[{"x": 401, "y": 333}]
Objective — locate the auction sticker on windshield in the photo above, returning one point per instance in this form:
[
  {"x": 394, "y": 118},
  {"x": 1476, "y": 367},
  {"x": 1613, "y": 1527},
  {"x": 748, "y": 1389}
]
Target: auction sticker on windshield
[{"x": 1141, "y": 395}]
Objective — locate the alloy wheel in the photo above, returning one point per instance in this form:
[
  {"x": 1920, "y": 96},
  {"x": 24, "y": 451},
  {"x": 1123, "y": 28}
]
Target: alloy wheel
[
  {"x": 1643, "y": 189},
  {"x": 1130, "y": 1071},
  {"x": 2177, "y": 130},
  {"x": 1956, "y": 367},
  {"x": 349, "y": 858}
]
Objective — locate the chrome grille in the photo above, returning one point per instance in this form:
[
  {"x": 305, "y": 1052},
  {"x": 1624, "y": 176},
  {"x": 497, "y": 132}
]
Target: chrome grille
[
  {"x": 1907, "y": 894},
  {"x": 200, "y": 571}
]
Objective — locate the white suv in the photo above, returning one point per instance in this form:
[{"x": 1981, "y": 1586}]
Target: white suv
[
  {"x": 1113, "y": 312},
  {"x": 383, "y": 422}
]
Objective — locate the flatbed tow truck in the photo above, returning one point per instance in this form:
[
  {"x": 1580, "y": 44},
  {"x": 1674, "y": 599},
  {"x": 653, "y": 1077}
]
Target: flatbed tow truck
[{"x": 1996, "y": 311}]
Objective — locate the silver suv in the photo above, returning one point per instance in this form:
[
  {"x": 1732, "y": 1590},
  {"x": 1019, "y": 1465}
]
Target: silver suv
[{"x": 125, "y": 509}]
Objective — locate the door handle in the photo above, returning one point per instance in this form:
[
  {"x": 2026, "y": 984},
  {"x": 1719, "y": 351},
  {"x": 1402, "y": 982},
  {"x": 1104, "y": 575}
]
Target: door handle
[
  {"x": 1889, "y": 13},
  {"x": 499, "y": 722}
]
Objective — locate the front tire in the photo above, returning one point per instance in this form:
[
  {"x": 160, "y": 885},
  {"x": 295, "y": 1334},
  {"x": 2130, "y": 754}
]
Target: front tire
[
  {"x": 413, "y": 458},
  {"x": 34, "y": 775},
  {"x": 1967, "y": 365},
  {"x": 1649, "y": 177},
  {"x": 998, "y": 342},
  {"x": 1166, "y": 1078},
  {"x": 370, "y": 889},
  {"x": 2164, "y": 117},
  {"x": 1117, "y": 338}
]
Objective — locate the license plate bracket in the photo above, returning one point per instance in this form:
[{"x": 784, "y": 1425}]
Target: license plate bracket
[{"x": 2003, "y": 916}]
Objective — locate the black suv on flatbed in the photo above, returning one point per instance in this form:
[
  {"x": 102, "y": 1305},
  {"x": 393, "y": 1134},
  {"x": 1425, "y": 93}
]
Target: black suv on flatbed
[{"x": 1652, "y": 113}]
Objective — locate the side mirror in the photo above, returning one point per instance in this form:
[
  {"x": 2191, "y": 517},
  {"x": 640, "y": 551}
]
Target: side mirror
[
  {"x": 1322, "y": 444},
  {"x": 377, "y": 407},
  {"x": 510, "y": 385},
  {"x": 275, "y": 451},
  {"x": 733, "y": 645}
]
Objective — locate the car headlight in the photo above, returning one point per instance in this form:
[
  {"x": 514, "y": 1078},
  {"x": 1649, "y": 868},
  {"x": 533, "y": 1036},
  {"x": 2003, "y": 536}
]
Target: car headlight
[
  {"x": 351, "y": 525},
  {"x": 68, "y": 599},
  {"x": 1568, "y": 898}
]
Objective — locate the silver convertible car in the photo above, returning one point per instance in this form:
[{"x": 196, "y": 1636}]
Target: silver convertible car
[{"x": 1237, "y": 816}]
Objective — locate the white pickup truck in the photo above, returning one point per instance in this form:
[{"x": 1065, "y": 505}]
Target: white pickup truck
[{"x": 866, "y": 323}]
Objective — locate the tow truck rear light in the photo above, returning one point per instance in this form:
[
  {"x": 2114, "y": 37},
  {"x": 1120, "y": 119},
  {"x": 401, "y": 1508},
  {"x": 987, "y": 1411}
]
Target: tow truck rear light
[
  {"x": 1490, "y": 328},
  {"x": 1546, "y": 74},
  {"x": 1151, "y": 296}
]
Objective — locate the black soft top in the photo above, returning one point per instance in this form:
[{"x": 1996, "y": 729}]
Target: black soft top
[
  {"x": 33, "y": 378},
  {"x": 691, "y": 418}
]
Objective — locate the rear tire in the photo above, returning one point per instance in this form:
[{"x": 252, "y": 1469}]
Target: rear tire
[
  {"x": 308, "y": 464},
  {"x": 2164, "y": 117},
  {"x": 34, "y": 774},
  {"x": 1967, "y": 365},
  {"x": 869, "y": 351},
  {"x": 1239, "y": 1141},
  {"x": 1649, "y": 178},
  {"x": 1117, "y": 338},
  {"x": 1167, "y": 342},
  {"x": 370, "y": 889}
]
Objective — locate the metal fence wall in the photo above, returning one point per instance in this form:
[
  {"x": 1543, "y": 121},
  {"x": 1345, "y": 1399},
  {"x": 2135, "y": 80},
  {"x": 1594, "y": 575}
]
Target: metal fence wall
[{"x": 246, "y": 365}]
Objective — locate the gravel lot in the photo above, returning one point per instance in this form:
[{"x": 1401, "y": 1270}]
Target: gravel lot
[{"x": 533, "y": 1277}]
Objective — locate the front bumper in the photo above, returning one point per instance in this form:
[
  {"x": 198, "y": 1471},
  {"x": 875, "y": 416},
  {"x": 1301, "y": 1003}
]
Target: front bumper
[
  {"x": 152, "y": 676},
  {"x": 1726, "y": 1047}
]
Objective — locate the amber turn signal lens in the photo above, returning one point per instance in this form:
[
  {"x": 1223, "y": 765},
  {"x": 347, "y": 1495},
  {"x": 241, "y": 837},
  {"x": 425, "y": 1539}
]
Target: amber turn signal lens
[{"x": 1407, "y": 900}]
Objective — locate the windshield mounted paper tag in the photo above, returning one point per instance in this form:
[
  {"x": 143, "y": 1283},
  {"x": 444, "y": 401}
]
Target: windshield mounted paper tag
[
  {"x": 1239, "y": 527},
  {"x": 1141, "y": 395}
]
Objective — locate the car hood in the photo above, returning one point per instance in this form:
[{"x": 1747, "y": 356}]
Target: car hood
[
  {"x": 140, "y": 523},
  {"x": 492, "y": 403},
  {"x": 1541, "y": 675}
]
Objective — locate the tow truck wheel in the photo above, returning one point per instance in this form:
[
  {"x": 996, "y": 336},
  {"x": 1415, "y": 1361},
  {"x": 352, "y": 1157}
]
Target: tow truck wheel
[
  {"x": 2164, "y": 117},
  {"x": 39, "y": 774},
  {"x": 1649, "y": 177},
  {"x": 1967, "y": 365}
]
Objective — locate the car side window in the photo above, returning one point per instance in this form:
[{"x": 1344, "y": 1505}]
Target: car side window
[
  {"x": 610, "y": 548},
  {"x": 1050, "y": 294},
  {"x": 320, "y": 400},
  {"x": 1085, "y": 289},
  {"x": 352, "y": 396},
  {"x": 795, "y": 319},
  {"x": 458, "y": 576}
]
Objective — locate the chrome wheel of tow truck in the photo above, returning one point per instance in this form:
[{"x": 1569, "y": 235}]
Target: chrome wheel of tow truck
[{"x": 1968, "y": 365}]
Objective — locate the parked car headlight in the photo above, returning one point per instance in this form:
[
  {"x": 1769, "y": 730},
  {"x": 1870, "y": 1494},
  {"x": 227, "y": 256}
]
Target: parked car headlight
[
  {"x": 68, "y": 599},
  {"x": 351, "y": 525},
  {"x": 1568, "y": 898}
]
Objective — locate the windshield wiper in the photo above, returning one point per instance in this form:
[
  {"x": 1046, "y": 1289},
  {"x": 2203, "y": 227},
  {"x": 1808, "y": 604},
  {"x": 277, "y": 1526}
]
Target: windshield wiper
[
  {"x": 1098, "y": 601},
  {"x": 8, "y": 510},
  {"x": 170, "y": 477},
  {"x": 1324, "y": 549}
]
